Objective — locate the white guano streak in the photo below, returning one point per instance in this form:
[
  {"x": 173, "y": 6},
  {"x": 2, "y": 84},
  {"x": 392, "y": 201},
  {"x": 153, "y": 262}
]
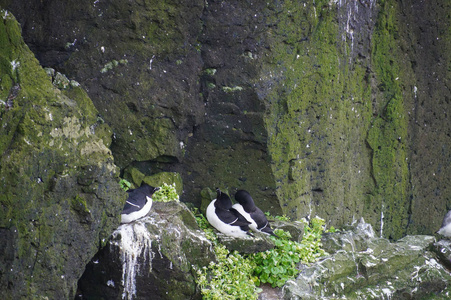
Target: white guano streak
[{"x": 134, "y": 242}]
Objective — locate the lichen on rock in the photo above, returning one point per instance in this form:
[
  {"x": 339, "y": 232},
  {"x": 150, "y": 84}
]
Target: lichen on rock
[{"x": 60, "y": 198}]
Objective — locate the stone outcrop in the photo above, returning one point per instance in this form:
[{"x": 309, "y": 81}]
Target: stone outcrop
[
  {"x": 362, "y": 266},
  {"x": 154, "y": 257},
  {"x": 59, "y": 196},
  {"x": 149, "y": 258}
]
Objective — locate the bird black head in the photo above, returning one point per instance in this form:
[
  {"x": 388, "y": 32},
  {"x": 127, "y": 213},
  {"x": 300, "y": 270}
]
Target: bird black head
[
  {"x": 245, "y": 199},
  {"x": 148, "y": 189},
  {"x": 223, "y": 200}
]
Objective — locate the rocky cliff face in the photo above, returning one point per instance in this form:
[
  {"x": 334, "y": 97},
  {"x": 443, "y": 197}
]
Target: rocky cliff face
[
  {"x": 335, "y": 108},
  {"x": 426, "y": 48},
  {"x": 59, "y": 199}
]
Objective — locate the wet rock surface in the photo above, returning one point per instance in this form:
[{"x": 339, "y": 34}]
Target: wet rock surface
[
  {"x": 443, "y": 250},
  {"x": 362, "y": 266}
]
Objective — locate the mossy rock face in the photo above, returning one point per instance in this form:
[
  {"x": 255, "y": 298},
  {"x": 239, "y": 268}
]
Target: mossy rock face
[
  {"x": 60, "y": 198},
  {"x": 207, "y": 196},
  {"x": 143, "y": 86},
  {"x": 320, "y": 114},
  {"x": 166, "y": 177},
  {"x": 321, "y": 108},
  {"x": 148, "y": 83},
  {"x": 136, "y": 177}
]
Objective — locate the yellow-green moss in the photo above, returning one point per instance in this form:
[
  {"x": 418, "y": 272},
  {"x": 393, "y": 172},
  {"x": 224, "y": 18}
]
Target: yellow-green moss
[
  {"x": 387, "y": 136},
  {"x": 53, "y": 164},
  {"x": 79, "y": 204},
  {"x": 316, "y": 117},
  {"x": 337, "y": 142},
  {"x": 165, "y": 177}
]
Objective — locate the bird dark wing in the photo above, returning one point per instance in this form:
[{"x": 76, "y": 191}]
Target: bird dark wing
[
  {"x": 259, "y": 217},
  {"x": 135, "y": 201},
  {"x": 129, "y": 208},
  {"x": 231, "y": 217},
  {"x": 240, "y": 221},
  {"x": 262, "y": 222},
  {"x": 267, "y": 229}
]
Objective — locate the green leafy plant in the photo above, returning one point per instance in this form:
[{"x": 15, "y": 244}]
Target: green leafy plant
[
  {"x": 332, "y": 229},
  {"x": 280, "y": 218},
  {"x": 235, "y": 276},
  {"x": 112, "y": 64},
  {"x": 125, "y": 184},
  {"x": 280, "y": 264},
  {"x": 229, "y": 89},
  {"x": 229, "y": 278},
  {"x": 166, "y": 193},
  {"x": 311, "y": 241}
]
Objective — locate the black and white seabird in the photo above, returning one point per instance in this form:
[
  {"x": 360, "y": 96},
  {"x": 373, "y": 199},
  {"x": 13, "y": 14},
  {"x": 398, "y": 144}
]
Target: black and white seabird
[
  {"x": 138, "y": 204},
  {"x": 445, "y": 230},
  {"x": 226, "y": 219},
  {"x": 252, "y": 213}
]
